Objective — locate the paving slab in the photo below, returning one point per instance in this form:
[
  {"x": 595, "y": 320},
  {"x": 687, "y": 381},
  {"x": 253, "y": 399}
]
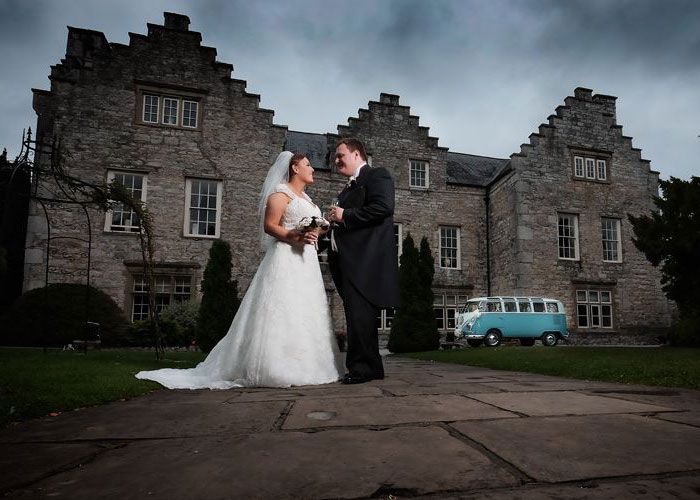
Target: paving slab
[
  {"x": 546, "y": 385},
  {"x": 26, "y": 463},
  {"x": 333, "y": 464},
  {"x": 563, "y": 403},
  {"x": 690, "y": 417},
  {"x": 461, "y": 388},
  {"x": 139, "y": 418},
  {"x": 334, "y": 390},
  {"x": 670, "y": 488},
  {"x": 556, "y": 449},
  {"x": 388, "y": 411}
]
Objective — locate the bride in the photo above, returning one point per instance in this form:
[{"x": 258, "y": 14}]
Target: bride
[{"x": 282, "y": 334}]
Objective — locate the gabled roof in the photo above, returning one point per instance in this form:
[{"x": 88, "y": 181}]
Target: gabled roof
[
  {"x": 473, "y": 170},
  {"x": 314, "y": 146}
]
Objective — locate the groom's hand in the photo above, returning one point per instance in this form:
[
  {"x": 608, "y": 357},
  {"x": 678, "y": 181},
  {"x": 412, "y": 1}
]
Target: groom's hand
[{"x": 336, "y": 214}]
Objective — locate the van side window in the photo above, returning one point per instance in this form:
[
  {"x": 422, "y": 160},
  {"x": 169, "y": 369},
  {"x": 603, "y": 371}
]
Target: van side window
[
  {"x": 509, "y": 306},
  {"x": 552, "y": 307},
  {"x": 524, "y": 307},
  {"x": 494, "y": 307},
  {"x": 538, "y": 307}
]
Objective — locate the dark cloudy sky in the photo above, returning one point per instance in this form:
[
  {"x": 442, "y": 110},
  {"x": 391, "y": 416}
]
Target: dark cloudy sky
[{"x": 481, "y": 74}]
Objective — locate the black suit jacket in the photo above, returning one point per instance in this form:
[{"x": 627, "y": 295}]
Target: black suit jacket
[{"x": 366, "y": 253}]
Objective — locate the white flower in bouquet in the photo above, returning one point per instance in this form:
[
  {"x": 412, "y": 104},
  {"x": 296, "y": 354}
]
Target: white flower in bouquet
[{"x": 315, "y": 224}]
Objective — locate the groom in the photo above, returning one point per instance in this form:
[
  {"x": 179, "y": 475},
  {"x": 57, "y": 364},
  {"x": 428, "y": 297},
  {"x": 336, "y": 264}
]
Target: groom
[{"x": 362, "y": 256}]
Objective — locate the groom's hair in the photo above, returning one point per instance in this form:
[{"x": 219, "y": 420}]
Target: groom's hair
[{"x": 354, "y": 145}]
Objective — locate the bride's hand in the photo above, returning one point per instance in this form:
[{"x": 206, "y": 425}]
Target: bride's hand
[{"x": 296, "y": 238}]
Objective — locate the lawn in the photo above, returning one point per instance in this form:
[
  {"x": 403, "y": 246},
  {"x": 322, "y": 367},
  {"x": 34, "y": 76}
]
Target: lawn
[
  {"x": 662, "y": 366},
  {"x": 35, "y": 383}
]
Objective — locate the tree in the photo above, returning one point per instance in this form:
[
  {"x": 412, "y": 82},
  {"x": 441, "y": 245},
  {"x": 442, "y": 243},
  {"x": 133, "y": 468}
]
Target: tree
[
  {"x": 670, "y": 237},
  {"x": 219, "y": 297},
  {"x": 414, "y": 328}
]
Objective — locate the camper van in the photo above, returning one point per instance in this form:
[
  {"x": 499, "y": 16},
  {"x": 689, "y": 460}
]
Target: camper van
[{"x": 490, "y": 320}]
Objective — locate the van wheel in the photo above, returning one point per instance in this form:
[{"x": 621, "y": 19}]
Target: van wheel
[
  {"x": 527, "y": 342},
  {"x": 550, "y": 339},
  {"x": 474, "y": 342},
  {"x": 492, "y": 338}
]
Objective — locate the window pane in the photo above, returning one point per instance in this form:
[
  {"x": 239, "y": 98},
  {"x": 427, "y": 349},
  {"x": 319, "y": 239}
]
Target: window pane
[
  {"x": 581, "y": 296},
  {"x": 538, "y": 307},
  {"x": 150, "y": 109},
  {"x": 418, "y": 174},
  {"x": 605, "y": 297},
  {"x": 582, "y": 313},
  {"x": 602, "y": 170},
  {"x": 124, "y": 218},
  {"x": 450, "y": 313},
  {"x": 590, "y": 168},
  {"x": 170, "y": 106},
  {"x": 595, "y": 315},
  {"x": 578, "y": 166},
  {"x": 611, "y": 239},
  {"x": 189, "y": 114},
  {"x": 552, "y": 307},
  {"x": 593, "y": 296},
  {"x": 439, "y": 318},
  {"x": 203, "y": 212},
  {"x": 606, "y": 316},
  {"x": 449, "y": 247},
  {"x": 524, "y": 307},
  {"x": 509, "y": 306},
  {"x": 567, "y": 228}
]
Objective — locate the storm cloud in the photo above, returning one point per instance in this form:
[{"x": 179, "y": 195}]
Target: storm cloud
[{"x": 481, "y": 74}]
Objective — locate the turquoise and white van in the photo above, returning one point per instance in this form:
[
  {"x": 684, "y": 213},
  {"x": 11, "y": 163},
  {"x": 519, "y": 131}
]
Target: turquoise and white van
[{"x": 489, "y": 320}]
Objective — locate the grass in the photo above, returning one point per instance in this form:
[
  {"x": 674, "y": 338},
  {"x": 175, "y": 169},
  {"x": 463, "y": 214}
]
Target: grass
[
  {"x": 35, "y": 383},
  {"x": 660, "y": 366}
]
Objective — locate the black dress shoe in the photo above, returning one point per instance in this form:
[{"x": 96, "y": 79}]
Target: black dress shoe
[{"x": 349, "y": 378}]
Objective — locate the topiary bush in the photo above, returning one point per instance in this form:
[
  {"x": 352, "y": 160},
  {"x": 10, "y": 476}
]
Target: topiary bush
[
  {"x": 219, "y": 297},
  {"x": 55, "y": 316},
  {"x": 414, "y": 327}
]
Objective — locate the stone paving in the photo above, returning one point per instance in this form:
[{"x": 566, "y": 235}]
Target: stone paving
[{"x": 428, "y": 430}]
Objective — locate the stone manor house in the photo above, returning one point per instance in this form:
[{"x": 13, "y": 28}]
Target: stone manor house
[{"x": 162, "y": 115}]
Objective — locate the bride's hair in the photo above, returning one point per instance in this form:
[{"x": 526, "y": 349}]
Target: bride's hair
[{"x": 296, "y": 158}]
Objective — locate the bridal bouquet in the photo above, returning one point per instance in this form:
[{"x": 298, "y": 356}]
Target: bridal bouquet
[{"x": 315, "y": 224}]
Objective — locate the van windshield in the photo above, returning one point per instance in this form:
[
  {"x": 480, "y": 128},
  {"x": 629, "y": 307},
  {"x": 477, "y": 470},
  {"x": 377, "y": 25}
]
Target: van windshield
[{"x": 472, "y": 307}]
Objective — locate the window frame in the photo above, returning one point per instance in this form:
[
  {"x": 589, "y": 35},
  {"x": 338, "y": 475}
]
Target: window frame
[
  {"x": 188, "y": 197},
  {"x": 618, "y": 242},
  {"x": 597, "y": 306},
  {"x": 196, "y": 113},
  {"x": 143, "y": 108},
  {"x": 426, "y": 173},
  {"x": 398, "y": 234},
  {"x": 598, "y": 163},
  {"x": 576, "y": 236},
  {"x": 144, "y": 195},
  {"x": 458, "y": 249},
  {"x": 577, "y": 173},
  {"x": 138, "y": 278}
]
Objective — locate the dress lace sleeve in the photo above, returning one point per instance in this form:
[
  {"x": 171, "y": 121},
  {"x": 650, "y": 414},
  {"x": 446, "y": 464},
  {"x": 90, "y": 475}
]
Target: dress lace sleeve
[{"x": 283, "y": 188}]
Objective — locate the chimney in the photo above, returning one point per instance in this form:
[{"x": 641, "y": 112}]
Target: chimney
[{"x": 176, "y": 21}]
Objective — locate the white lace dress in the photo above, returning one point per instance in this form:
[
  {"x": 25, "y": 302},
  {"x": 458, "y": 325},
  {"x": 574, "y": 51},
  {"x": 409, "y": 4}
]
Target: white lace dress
[{"x": 282, "y": 333}]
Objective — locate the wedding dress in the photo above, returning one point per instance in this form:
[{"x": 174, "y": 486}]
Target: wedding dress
[{"x": 282, "y": 333}]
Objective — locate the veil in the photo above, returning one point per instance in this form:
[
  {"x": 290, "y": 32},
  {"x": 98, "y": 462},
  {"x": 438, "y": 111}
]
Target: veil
[{"x": 278, "y": 173}]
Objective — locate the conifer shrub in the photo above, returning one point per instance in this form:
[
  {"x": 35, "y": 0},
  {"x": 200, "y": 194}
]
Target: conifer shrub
[
  {"x": 219, "y": 297},
  {"x": 414, "y": 327}
]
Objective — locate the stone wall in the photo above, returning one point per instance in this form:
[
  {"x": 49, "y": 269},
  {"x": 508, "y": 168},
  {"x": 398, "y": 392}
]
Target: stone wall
[
  {"x": 507, "y": 222},
  {"x": 546, "y": 186}
]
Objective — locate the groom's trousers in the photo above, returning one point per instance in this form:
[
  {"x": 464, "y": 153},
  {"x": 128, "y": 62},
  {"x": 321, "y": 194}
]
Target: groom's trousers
[{"x": 362, "y": 356}]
